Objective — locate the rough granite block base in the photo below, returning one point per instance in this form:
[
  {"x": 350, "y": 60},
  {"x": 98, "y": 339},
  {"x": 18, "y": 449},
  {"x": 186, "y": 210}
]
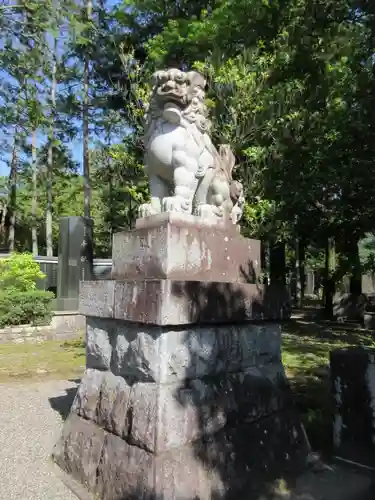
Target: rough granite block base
[{"x": 179, "y": 413}]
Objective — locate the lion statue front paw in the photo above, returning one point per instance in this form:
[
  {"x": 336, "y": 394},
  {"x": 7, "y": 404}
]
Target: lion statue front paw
[
  {"x": 146, "y": 210},
  {"x": 176, "y": 204}
]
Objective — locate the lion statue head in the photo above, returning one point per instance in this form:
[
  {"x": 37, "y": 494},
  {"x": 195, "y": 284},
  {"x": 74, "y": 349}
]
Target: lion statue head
[{"x": 178, "y": 95}]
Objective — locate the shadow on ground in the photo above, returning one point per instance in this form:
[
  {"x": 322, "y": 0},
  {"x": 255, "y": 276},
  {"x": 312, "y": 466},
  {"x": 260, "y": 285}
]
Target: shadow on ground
[{"x": 62, "y": 404}]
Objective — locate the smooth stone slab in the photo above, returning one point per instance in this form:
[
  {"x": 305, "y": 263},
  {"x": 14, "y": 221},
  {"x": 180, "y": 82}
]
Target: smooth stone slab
[
  {"x": 168, "y": 302},
  {"x": 177, "y": 247}
]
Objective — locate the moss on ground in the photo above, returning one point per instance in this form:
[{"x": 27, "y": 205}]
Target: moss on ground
[{"x": 43, "y": 359}]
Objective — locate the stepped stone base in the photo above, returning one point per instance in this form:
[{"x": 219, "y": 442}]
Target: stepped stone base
[
  {"x": 184, "y": 396},
  {"x": 181, "y": 414}
]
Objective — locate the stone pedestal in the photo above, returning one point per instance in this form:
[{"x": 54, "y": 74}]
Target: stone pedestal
[{"x": 184, "y": 395}]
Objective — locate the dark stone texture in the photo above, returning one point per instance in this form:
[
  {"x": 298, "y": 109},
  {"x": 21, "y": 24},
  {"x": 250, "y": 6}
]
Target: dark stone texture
[
  {"x": 87, "y": 398},
  {"x": 104, "y": 398},
  {"x": 79, "y": 449},
  {"x": 113, "y": 405},
  {"x": 98, "y": 344},
  {"x": 235, "y": 463},
  {"x": 167, "y": 302},
  {"x": 170, "y": 416},
  {"x": 161, "y": 417},
  {"x": 124, "y": 470},
  {"x": 353, "y": 386},
  {"x": 369, "y": 320},
  {"x": 349, "y": 306},
  {"x": 247, "y": 456},
  {"x": 151, "y": 353},
  {"x": 176, "y": 249}
]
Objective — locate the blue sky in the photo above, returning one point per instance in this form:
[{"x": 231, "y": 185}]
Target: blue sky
[{"x": 76, "y": 146}]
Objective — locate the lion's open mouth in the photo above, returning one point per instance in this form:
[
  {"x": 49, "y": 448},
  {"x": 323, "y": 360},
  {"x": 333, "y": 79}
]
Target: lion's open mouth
[{"x": 173, "y": 95}]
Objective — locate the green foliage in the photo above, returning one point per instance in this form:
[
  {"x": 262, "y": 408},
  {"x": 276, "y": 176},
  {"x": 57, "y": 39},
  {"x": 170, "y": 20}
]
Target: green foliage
[
  {"x": 20, "y": 301},
  {"x": 19, "y": 273},
  {"x": 25, "y": 307}
]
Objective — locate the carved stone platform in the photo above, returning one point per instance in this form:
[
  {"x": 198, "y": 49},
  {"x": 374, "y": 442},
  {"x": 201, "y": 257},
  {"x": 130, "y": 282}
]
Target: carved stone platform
[
  {"x": 178, "y": 247},
  {"x": 184, "y": 396}
]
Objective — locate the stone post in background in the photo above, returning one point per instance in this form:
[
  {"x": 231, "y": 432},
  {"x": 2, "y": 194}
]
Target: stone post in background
[
  {"x": 353, "y": 389},
  {"x": 73, "y": 262}
]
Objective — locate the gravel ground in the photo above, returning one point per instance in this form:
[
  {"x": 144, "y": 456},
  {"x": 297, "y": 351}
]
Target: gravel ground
[
  {"x": 29, "y": 427},
  {"x": 31, "y": 417}
]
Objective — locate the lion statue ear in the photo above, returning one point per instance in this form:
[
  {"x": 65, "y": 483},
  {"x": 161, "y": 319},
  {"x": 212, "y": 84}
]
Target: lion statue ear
[
  {"x": 196, "y": 79},
  {"x": 157, "y": 76},
  {"x": 227, "y": 157}
]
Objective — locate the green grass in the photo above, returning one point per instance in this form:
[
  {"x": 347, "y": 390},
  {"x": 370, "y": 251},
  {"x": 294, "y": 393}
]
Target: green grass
[
  {"x": 40, "y": 360},
  {"x": 306, "y": 347}
]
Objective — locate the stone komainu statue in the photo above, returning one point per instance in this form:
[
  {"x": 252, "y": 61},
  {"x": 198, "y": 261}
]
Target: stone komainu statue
[{"x": 186, "y": 172}]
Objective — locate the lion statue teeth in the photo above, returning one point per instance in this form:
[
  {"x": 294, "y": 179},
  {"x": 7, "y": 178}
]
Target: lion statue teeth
[{"x": 186, "y": 172}]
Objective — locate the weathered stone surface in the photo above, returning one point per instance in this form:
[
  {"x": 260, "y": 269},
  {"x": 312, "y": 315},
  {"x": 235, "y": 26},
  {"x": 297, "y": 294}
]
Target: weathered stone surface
[
  {"x": 235, "y": 463},
  {"x": 248, "y": 456},
  {"x": 97, "y": 298},
  {"x": 170, "y": 416},
  {"x": 167, "y": 302},
  {"x": 112, "y": 413},
  {"x": 118, "y": 420},
  {"x": 174, "y": 249},
  {"x": 87, "y": 398},
  {"x": 124, "y": 471},
  {"x": 353, "y": 385},
  {"x": 79, "y": 449},
  {"x": 98, "y": 343},
  {"x": 104, "y": 398},
  {"x": 159, "y": 417},
  {"x": 170, "y": 354}
]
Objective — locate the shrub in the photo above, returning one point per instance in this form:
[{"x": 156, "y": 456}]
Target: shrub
[
  {"x": 20, "y": 308},
  {"x": 19, "y": 272}
]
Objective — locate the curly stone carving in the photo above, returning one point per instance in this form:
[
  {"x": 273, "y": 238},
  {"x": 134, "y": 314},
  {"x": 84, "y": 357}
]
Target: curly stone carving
[{"x": 186, "y": 172}]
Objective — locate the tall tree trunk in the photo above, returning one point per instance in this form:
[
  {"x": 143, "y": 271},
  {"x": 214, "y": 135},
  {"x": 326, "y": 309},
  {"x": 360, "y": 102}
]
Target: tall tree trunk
[
  {"x": 3, "y": 218},
  {"x": 352, "y": 253},
  {"x": 34, "y": 200},
  {"x": 277, "y": 264},
  {"x": 111, "y": 199},
  {"x": 86, "y": 104},
  {"x": 51, "y": 138},
  {"x": 13, "y": 193},
  {"x": 301, "y": 271},
  {"x": 87, "y": 246},
  {"x": 329, "y": 276}
]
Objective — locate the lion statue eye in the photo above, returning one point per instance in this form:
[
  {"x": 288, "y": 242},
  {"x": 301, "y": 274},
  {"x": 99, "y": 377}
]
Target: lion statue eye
[
  {"x": 163, "y": 77},
  {"x": 180, "y": 77}
]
